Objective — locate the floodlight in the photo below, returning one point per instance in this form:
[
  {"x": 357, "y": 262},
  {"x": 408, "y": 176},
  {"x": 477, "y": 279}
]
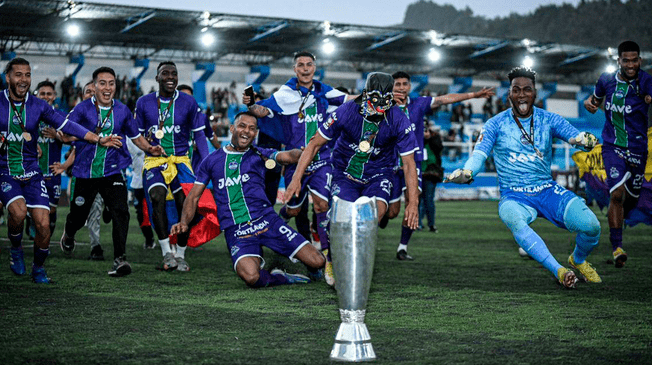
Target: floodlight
[
  {"x": 610, "y": 69},
  {"x": 434, "y": 55},
  {"x": 528, "y": 62},
  {"x": 207, "y": 39},
  {"x": 526, "y": 42},
  {"x": 328, "y": 47},
  {"x": 73, "y": 30}
]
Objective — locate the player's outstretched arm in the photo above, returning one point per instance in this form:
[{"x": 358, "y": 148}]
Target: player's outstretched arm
[
  {"x": 585, "y": 140},
  {"x": 460, "y": 176},
  {"x": 58, "y": 168},
  {"x": 308, "y": 154},
  {"x": 189, "y": 209},
  {"x": 486, "y": 92},
  {"x": 289, "y": 157}
]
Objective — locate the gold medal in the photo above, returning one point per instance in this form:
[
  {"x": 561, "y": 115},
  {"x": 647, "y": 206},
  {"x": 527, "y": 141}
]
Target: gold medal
[
  {"x": 270, "y": 164},
  {"x": 364, "y": 146},
  {"x": 27, "y": 136},
  {"x": 159, "y": 134}
]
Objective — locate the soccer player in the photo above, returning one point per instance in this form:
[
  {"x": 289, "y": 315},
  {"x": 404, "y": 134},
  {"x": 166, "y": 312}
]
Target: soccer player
[
  {"x": 521, "y": 138},
  {"x": 301, "y": 106},
  {"x": 627, "y": 95},
  {"x": 98, "y": 169},
  {"x": 21, "y": 182},
  {"x": 167, "y": 118},
  {"x": 415, "y": 109},
  {"x": 367, "y": 132},
  {"x": 246, "y": 216}
]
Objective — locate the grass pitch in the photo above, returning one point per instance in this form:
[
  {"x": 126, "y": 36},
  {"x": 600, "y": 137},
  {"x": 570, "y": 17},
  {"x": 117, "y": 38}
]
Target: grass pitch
[{"x": 468, "y": 298}]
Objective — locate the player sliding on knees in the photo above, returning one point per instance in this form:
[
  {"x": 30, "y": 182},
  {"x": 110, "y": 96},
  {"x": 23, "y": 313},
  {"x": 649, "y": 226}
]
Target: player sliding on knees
[
  {"x": 246, "y": 216},
  {"x": 521, "y": 138}
]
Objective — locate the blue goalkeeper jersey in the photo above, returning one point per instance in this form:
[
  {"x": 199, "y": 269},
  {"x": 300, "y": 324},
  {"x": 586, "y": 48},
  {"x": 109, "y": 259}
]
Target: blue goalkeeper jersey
[{"x": 516, "y": 160}]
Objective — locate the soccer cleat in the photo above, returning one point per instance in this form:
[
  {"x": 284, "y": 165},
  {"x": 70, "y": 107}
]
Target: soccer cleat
[
  {"x": 566, "y": 278},
  {"x": 292, "y": 278},
  {"x": 317, "y": 275},
  {"x": 328, "y": 273},
  {"x": 39, "y": 276},
  {"x": 434, "y": 229},
  {"x": 120, "y": 267},
  {"x": 403, "y": 255},
  {"x": 620, "y": 256},
  {"x": 586, "y": 270},
  {"x": 182, "y": 265},
  {"x": 149, "y": 245},
  {"x": 17, "y": 261},
  {"x": 169, "y": 262},
  {"x": 97, "y": 254},
  {"x": 67, "y": 244}
]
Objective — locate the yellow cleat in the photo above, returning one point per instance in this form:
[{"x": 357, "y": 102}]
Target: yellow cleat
[
  {"x": 566, "y": 278},
  {"x": 328, "y": 270},
  {"x": 620, "y": 256},
  {"x": 586, "y": 270}
]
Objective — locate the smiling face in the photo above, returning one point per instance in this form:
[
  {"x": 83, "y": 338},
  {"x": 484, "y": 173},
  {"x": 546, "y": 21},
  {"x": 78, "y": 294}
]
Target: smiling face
[
  {"x": 19, "y": 79},
  {"x": 89, "y": 91},
  {"x": 46, "y": 93},
  {"x": 104, "y": 88},
  {"x": 167, "y": 79},
  {"x": 244, "y": 131},
  {"x": 522, "y": 94},
  {"x": 401, "y": 90},
  {"x": 630, "y": 63},
  {"x": 304, "y": 68}
]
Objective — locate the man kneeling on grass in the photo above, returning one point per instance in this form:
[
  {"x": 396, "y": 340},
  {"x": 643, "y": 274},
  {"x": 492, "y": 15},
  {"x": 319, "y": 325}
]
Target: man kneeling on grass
[{"x": 246, "y": 216}]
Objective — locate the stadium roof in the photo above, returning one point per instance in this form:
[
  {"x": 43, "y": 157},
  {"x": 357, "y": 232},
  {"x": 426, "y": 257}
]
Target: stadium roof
[{"x": 130, "y": 32}]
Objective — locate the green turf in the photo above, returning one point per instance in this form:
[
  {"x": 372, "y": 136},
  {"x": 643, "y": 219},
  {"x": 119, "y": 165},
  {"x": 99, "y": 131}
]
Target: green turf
[{"x": 468, "y": 298}]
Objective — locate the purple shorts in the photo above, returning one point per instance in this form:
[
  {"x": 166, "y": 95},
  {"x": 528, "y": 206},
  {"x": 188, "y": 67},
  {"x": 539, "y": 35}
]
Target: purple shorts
[
  {"x": 624, "y": 167},
  {"x": 398, "y": 185},
  {"x": 248, "y": 239},
  {"x": 316, "y": 180},
  {"x": 53, "y": 186},
  {"x": 31, "y": 189},
  {"x": 350, "y": 189},
  {"x": 154, "y": 177}
]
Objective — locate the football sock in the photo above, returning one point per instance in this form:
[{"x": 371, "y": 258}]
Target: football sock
[
  {"x": 616, "y": 238},
  {"x": 536, "y": 248},
  {"x": 181, "y": 252},
  {"x": 284, "y": 214},
  {"x": 322, "y": 230},
  {"x": 303, "y": 223},
  {"x": 40, "y": 254},
  {"x": 165, "y": 245},
  {"x": 579, "y": 218},
  {"x": 406, "y": 233},
  {"x": 53, "y": 222},
  {"x": 401, "y": 247},
  {"x": 16, "y": 240},
  {"x": 266, "y": 279}
]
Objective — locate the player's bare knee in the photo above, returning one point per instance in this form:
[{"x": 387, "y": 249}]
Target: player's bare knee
[
  {"x": 293, "y": 212},
  {"x": 394, "y": 209},
  {"x": 250, "y": 277},
  {"x": 320, "y": 205},
  {"x": 618, "y": 196}
]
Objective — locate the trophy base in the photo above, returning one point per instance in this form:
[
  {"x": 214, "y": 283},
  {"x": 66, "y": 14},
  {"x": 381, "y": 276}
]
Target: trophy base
[{"x": 353, "y": 343}]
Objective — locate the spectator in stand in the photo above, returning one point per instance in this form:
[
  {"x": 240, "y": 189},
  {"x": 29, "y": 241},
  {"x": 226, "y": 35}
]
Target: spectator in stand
[
  {"x": 433, "y": 173},
  {"x": 488, "y": 109}
]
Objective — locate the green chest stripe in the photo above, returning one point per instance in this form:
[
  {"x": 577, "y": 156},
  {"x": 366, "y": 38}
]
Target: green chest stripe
[
  {"x": 15, "y": 143},
  {"x": 311, "y": 125},
  {"x": 233, "y": 185},
  {"x": 356, "y": 164},
  {"x": 618, "y": 118},
  {"x": 99, "y": 160},
  {"x": 167, "y": 142}
]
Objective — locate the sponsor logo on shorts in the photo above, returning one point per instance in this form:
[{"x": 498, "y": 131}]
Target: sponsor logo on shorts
[
  {"x": 531, "y": 189},
  {"x": 252, "y": 230},
  {"x": 614, "y": 173},
  {"x": 234, "y": 250},
  {"x": 233, "y": 165},
  {"x": 6, "y": 187},
  {"x": 335, "y": 190},
  {"x": 118, "y": 183},
  {"x": 79, "y": 201}
]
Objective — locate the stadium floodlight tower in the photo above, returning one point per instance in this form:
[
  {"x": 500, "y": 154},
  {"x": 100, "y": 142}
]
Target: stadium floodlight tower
[{"x": 328, "y": 47}]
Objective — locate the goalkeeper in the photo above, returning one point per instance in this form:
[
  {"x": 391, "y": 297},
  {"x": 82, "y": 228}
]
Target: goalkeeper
[{"x": 521, "y": 138}]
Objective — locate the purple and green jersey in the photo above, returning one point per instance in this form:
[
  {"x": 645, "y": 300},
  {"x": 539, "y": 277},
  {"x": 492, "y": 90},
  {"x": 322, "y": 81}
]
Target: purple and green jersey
[
  {"x": 415, "y": 109},
  {"x": 50, "y": 150},
  {"x": 180, "y": 119},
  {"x": 393, "y": 134},
  {"x": 238, "y": 184},
  {"x": 21, "y": 157},
  {"x": 625, "y": 109},
  {"x": 94, "y": 160}
]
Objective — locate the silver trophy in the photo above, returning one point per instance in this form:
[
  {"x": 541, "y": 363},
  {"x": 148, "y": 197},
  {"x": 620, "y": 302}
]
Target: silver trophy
[{"x": 353, "y": 232}]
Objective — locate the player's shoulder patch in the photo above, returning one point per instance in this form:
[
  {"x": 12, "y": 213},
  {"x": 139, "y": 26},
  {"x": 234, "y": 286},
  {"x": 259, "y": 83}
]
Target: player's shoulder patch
[{"x": 331, "y": 120}]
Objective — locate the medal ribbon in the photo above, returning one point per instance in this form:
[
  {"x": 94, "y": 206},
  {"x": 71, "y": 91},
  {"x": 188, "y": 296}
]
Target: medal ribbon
[
  {"x": 19, "y": 114},
  {"x": 163, "y": 116},
  {"x": 101, "y": 123},
  {"x": 303, "y": 101},
  {"x": 530, "y": 137}
]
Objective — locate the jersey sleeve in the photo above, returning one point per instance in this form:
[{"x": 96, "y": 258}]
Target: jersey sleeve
[
  {"x": 203, "y": 174},
  {"x": 600, "y": 87},
  {"x": 71, "y": 124},
  {"x": 561, "y": 128},
  {"x": 129, "y": 126},
  {"x": 140, "y": 115},
  {"x": 406, "y": 142},
  {"x": 332, "y": 127},
  {"x": 487, "y": 137},
  {"x": 208, "y": 131},
  {"x": 197, "y": 120},
  {"x": 335, "y": 97}
]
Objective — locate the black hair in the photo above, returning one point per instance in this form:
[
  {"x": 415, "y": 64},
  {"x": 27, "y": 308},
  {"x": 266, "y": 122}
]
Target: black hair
[
  {"x": 522, "y": 71},
  {"x": 628, "y": 46},
  {"x": 15, "y": 61},
  {"x": 103, "y": 69},
  {"x": 45, "y": 83},
  {"x": 165, "y": 63},
  {"x": 303, "y": 54},
  {"x": 239, "y": 115},
  {"x": 342, "y": 89},
  {"x": 184, "y": 87},
  {"x": 401, "y": 75}
]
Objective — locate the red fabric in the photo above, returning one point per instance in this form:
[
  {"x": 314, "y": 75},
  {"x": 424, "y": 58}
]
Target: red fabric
[
  {"x": 208, "y": 227},
  {"x": 146, "y": 222}
]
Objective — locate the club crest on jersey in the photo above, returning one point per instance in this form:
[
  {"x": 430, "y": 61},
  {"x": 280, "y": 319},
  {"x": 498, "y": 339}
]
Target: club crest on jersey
[
  {"x": 233, "y": 165},
  {"x": 234, "y": 250},
  {"x": 619, "y": 94},
  {"x": 15, "y": 120},
  {"x": 79, "y": 201},
  {"x": 614, "y": 173},
  {"x": 149, "y": 175},
  {"x": 6, "y": 187}
]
